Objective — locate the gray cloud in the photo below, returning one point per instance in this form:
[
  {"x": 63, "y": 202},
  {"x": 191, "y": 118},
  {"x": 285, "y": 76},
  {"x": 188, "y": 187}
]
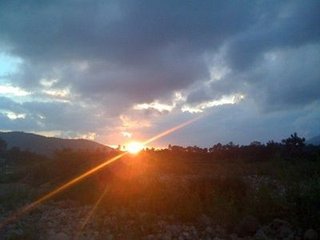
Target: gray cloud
[
  {"x": 150, "y": 47},
  {"x": 111, "y": 55},
  {"x": 293, "y": 24}
]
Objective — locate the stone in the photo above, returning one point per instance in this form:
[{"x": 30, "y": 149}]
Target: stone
[
  {"x": 233, "y": 237},
  {"x": 311, "y": 234},
  {"x": 167, "y": 236},
  {"x": 186, "y": 235},
  {"x": 209, "y": 230},
  {"x": 261, "y": 235},
  {"x": 59, "y": 236},
  {"x": 282, "y": 229},
  {"x": 150, "y": 237},
  {"x": 173, "y": 229},
  {"x": 181, "y": 237},
  {"x": 204, "y": 220},
  {"x": 248, "y": 226},
  {"x": 17, "y": 232},
  {"x": 217, "y": 238}
]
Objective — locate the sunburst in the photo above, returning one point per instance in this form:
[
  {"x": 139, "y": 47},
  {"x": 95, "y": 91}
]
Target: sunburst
[{"x": 134, "y": 147}]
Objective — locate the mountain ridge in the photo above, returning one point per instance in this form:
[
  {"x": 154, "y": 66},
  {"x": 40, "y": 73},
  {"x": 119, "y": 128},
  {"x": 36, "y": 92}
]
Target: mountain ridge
[{"x": 48, "y": 145}]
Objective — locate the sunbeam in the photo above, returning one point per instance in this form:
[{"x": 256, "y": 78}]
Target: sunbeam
[
  {"x": 90, "y": 213},
  {"x": 19, "y": 213},
  {"x": 31, "y": 206},
  {"x": 171, "y": 130}
]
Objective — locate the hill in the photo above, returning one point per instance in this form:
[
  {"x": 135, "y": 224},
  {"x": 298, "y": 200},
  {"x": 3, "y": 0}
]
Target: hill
[{"x": 48, "y": 145}]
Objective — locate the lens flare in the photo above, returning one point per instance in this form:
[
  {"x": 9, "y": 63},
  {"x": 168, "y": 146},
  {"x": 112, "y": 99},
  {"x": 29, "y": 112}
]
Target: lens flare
[
  {"x": 134, "y": 147},
  {"x": 24, "y": 210},
  {"x": 90, "y": 214}
]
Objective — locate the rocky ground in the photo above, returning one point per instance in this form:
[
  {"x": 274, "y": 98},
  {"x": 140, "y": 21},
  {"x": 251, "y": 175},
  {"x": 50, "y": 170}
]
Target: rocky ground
[{"x": 66, "y": 220}]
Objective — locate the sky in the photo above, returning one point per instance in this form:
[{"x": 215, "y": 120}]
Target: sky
[{"x": 123, "y": 70}]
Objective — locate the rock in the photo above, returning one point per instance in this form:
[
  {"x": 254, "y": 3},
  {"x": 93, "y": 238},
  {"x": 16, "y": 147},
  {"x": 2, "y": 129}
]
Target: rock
[
  {"x": 14, "y": 234},
  {"x": 17, "y": 232},
  {"x": 278, "y": 229},
  {"x": 233, "y": 236},
  {"x": 219, "y": 230},
  {"x": 209, "y": 230},
  {"x": 181, "y": 237},
  {"x": 167, "y": 236},
  {"x": 206, "y": 238},
  {"x": 186, "y": 235},
  {"x": 107, "y": 220},
  {"x": 173, "y": 229},
  {"x": 310, "y": 234},
  {"x": 278, "y": 223},
  {"x": 204, "y": 220},
  {"x": 283, "y": 229},
  {"x": 248, "y": 226},
  {"x": 150, "y": 237},
  {"x": 162, "y": 223},
  {"x": 59, "y": 236},
  {"x": 261, "y": 234},
  {"x": 217, "y": 238}
]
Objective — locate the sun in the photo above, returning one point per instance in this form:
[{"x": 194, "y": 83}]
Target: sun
[{"x": 134, "y": 147}]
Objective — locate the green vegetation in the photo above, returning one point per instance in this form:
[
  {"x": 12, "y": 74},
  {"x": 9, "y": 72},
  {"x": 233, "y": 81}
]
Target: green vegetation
[{"x": 224, "y": 182}]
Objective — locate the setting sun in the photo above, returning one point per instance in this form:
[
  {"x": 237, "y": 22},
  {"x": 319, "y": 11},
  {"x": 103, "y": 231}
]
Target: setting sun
[{"x": 134, "y": 147}]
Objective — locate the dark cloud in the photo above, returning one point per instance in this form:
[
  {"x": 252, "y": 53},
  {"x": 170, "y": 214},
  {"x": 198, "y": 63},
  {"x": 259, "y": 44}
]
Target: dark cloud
[
  {"x": 283, "y": 78},
  {"x": 52, "y": 116},
  {"x": 112, "y": 55},
  {"x": 135, "y": 48},
  {"x": 9, "y": 105},
  {"x": 241, "y": 124},
  {"x": 293, "y": 24},
  {"x": 292, "y": 79},
  {"x": 129, "y": 31}
]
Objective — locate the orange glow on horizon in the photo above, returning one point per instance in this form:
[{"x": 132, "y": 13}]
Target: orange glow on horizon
[
  {"x": 134, "y": 147},
  {"x": 19, "y": 213}
]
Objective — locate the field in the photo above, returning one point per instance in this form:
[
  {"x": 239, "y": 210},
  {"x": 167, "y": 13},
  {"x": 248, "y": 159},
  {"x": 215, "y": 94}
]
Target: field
[{"x": 165, "y": 194}]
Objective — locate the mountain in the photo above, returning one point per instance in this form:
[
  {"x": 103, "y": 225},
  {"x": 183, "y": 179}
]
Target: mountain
[
  {"x": 314, "y": 141},
  {"x": 48, "y": 145}
]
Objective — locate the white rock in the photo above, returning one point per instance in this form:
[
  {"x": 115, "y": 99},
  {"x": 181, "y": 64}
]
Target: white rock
[
  {"x": 59, "y": 236},
  {"x": 310, "y": 234}
]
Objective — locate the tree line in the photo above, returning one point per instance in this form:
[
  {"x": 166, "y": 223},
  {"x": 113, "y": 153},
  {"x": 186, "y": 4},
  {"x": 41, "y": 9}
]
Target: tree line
[{"x": 293, "y": 147}]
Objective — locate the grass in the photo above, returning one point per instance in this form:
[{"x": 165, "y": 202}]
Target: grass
[{"x": 185, "y": 189}]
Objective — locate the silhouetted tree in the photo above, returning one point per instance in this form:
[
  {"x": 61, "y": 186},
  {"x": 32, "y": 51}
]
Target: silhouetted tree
[
  {"x": 3, "y": 146},
  {"x": 294, "y": 141},
  {"x": 216, "y": 147},
  {"x": 293, "y": 145},
  {"x": 255, "y": 143},
  {"x": 273, "y": 149},
  {"x": 176, "y": 148}
]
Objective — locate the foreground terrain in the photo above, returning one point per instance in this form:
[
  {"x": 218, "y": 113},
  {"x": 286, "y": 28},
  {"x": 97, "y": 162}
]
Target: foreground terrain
[{"x": 168, "y": 194}]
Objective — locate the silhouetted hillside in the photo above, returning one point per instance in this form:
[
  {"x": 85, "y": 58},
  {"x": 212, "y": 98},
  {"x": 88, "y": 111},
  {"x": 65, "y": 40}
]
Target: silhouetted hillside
[{"x": 48, "y": 145}]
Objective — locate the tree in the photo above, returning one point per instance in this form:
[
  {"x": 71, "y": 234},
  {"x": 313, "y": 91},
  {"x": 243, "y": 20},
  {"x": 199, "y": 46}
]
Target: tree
[
  {"x": 256, "y": 144},
  {"x": 216, "y": 147},
  {"x": 294, "y": 141},
  {"x": 294, "y": 145},
  {"x": 3, "y": 145}
]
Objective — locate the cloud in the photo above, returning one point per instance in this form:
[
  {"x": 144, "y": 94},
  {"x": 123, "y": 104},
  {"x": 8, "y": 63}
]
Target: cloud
[
  {"x": 141, "y": 51},
  {"x": 292, "y": 24},
  {"x": 81, "y": 66},
  {"x": 10, "y": 90},
  {"x": 225, "y": 100}
]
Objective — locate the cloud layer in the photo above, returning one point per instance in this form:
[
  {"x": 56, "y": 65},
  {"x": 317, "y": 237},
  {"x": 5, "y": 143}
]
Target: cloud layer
[{"x": 85, "y": 67}]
